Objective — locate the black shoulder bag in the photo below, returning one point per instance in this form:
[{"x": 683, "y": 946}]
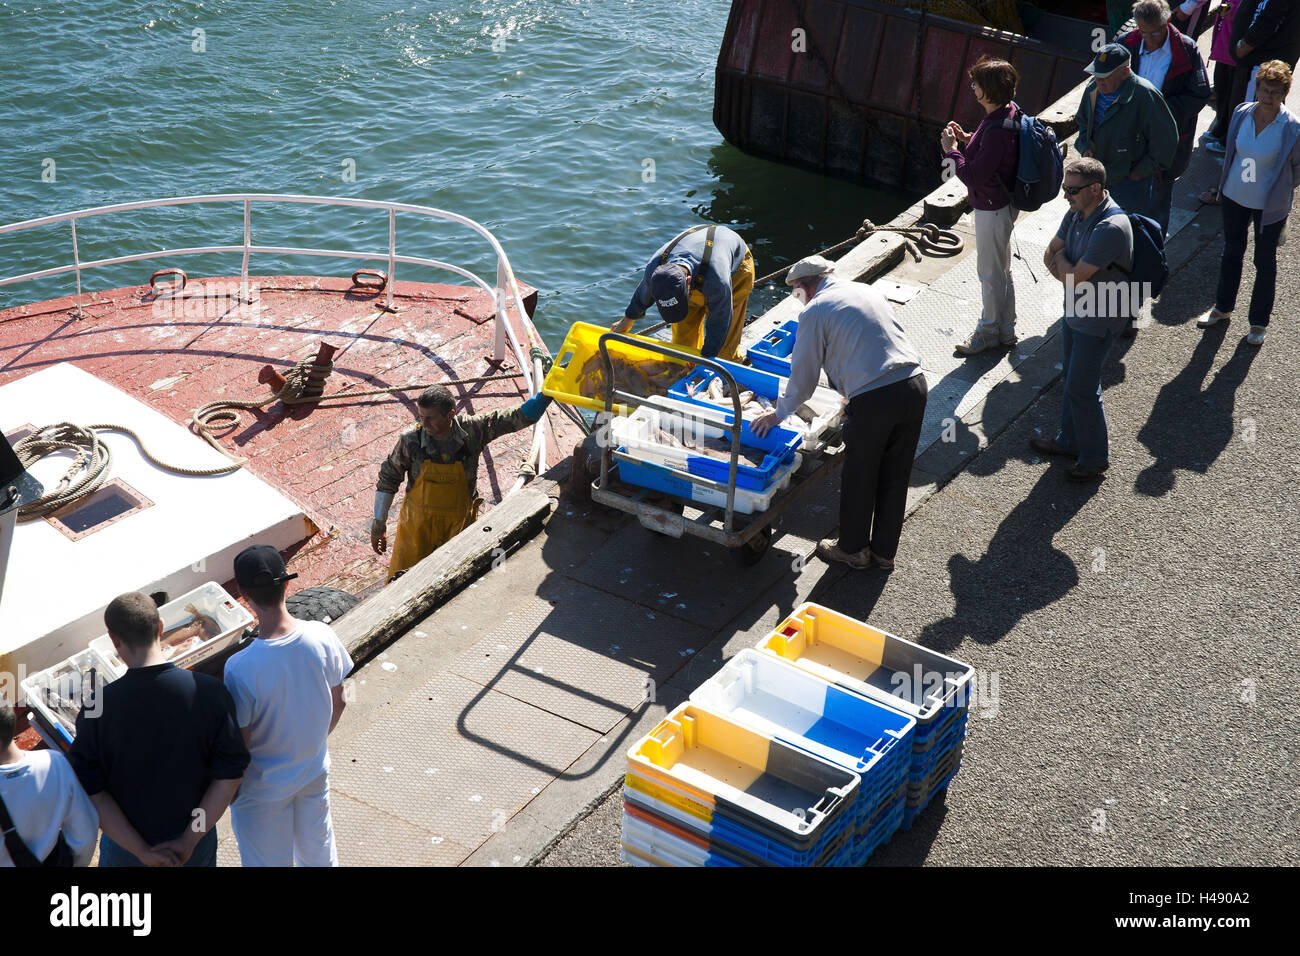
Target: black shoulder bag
[{"x": 60, "y": 856}]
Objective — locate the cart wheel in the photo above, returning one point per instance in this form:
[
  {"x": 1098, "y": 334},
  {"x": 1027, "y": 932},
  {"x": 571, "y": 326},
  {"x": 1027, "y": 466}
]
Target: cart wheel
[{"x": 752, "y": 551}]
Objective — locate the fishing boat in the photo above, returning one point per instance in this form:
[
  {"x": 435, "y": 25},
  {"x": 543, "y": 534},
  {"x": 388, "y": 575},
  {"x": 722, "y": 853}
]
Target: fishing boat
[
  {"x": 860, "y": 89},
  {"x": 244, "y": 408}
]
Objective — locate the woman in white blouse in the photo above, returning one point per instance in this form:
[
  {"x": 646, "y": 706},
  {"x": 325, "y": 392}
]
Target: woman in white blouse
[{"x": 1260, "y": 172}]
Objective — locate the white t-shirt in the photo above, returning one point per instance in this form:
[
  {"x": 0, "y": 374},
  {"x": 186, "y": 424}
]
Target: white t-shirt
[
  {"x": 282, "y": 691},
  {"x": 43, "y": 796}
]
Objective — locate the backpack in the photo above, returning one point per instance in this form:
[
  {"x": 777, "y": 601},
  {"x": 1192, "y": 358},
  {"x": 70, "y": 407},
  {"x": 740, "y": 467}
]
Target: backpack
[
  {"x": 1039, "y": 168},
  {"x": 1149, "y": 262}
]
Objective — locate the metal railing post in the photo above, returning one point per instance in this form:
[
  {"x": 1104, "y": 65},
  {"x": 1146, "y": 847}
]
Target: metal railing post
[
  {"x": 76, "y": 261},
  {"x": 248, "y": 237},
  {"x": 392, "y": 258},
  {"x": 499, "y": 346}
]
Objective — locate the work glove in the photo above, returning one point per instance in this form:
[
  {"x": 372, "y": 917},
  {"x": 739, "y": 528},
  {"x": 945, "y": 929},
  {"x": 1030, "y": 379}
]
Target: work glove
[
  {"x": 379, "y": 523},
  {"x": 534, "y": 408}
]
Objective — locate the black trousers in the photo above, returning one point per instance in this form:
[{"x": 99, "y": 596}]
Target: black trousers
[
  {"x": 1224, "y": 77},
  {"x": 880, "y": 437}
]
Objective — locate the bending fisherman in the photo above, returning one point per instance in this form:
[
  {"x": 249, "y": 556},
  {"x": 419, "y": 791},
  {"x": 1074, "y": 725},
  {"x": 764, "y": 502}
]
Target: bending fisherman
[{"x": 705, "y": 271}]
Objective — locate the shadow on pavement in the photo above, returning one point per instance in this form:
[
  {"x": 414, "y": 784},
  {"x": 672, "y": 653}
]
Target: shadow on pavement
[
  {"x": 1189, "y": 426},
  {"x": 1021, "y": 572}
]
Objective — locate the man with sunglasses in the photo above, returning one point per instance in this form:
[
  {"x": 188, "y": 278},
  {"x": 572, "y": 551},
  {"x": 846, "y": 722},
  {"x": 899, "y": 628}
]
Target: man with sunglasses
[{"x": 1091, "y": 254}]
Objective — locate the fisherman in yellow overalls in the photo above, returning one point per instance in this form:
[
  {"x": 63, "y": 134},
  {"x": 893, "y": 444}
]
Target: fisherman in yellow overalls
[
  {"x": 439, "y": 460},
  {"x": 700, "y": 283}
]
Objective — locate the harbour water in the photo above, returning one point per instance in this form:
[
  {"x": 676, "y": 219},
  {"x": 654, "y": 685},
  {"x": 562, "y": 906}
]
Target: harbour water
[{"x": 579, "y": 131}]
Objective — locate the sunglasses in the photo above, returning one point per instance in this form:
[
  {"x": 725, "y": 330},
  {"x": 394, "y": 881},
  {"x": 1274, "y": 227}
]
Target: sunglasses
[{"x": 1075, "y": 190}]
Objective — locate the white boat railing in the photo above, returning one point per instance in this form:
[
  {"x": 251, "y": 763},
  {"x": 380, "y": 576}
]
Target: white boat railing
[{"x": 504, "y": 292}]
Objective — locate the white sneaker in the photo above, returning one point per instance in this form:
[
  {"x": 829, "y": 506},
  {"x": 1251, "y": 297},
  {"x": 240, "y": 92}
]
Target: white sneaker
[
  {"x": 1212, "y": 317},
  {"x": 1256, "y": 336},
  {"x": 978, "y": 342}
]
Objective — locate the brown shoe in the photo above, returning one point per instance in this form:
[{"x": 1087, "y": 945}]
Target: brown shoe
[
  {"x": 1086, "y": 472},
  {"x": 828, "y": 549},
  {"x": 1050, "y": 446}
]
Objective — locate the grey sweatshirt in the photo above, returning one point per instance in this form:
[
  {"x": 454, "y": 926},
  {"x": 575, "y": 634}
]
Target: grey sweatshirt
[{"x": 849, "y": 330}]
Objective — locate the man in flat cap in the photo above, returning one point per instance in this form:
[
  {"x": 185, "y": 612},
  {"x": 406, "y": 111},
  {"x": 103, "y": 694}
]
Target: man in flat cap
[
  {"x": 1125, "y": 123},
  {"x": 849, "y": 329},
  {"x": 700, "y": 282}
]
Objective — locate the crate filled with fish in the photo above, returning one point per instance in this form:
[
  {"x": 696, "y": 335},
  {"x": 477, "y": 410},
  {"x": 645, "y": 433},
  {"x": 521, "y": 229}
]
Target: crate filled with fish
[
  {"x": 807, "y": 712},
  {"x": 577, "y": 376},
  {"x": 196, "y": 626},
  {"x": 772, "y": 352},
  {"x": 57, "y": 694},
  {"x": 738, "y": 793},
  {"x": 686, "y": 443},
  {"x": 758, "y": 394},
  {"x": 670, "y": 481}
]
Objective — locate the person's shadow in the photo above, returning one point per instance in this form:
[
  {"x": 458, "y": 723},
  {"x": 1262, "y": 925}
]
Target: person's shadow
[
  {"x": 1189, "y": 427},
  {"x": 1021, "y": 572}
]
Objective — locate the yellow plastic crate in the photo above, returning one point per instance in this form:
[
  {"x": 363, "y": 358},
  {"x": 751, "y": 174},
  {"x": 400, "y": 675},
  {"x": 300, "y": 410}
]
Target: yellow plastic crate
[
  {"x": 925, "y": 685},
  {"x": 580, "y": 346}
]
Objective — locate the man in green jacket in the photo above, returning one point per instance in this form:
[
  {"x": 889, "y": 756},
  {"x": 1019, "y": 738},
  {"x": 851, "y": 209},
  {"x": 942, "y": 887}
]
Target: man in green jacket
[{"x": 1125, "y": 123}]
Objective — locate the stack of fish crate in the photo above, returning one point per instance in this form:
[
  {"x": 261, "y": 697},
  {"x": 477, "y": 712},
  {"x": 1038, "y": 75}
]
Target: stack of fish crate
[
  {"x": 704, "y": 790},
  {"x": 929, "y": 687},
  {"x": 811, "y": 750}
]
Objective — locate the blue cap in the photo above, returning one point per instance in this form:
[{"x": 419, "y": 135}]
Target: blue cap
[
  {"x": 1109, "y": 59},
  {"x": 671, "y": 290}
]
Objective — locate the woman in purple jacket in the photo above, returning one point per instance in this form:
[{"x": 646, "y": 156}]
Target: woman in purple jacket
[{"x": 985, "y": 161}]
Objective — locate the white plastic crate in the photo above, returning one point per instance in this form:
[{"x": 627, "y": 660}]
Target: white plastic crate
[
  {"x": 58, "y": 692},
  {"x": 210, "y": 599}
]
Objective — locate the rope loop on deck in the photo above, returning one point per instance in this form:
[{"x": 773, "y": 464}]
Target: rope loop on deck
[{"x": 376, "y": 279}]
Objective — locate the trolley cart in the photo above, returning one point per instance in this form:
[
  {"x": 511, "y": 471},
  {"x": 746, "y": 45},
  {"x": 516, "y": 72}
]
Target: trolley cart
[{"x": 748, "y": 537}]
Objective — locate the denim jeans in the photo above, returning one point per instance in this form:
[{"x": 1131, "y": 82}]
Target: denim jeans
[
  {"x": 1236, "y": 223},
  {"x": 1083, "y": 417},
  {"x": 205, "y": 854}
]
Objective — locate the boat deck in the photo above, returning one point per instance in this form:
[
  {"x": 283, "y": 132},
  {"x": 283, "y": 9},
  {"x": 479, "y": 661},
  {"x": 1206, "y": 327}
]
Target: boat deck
[{"x": 177, "y": 353}]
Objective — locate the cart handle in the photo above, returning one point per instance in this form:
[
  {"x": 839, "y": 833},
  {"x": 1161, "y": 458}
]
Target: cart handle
[{"x": 668, "y": 352}]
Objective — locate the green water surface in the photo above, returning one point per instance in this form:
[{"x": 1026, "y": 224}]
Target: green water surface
[{"x": 579, "y": 132}]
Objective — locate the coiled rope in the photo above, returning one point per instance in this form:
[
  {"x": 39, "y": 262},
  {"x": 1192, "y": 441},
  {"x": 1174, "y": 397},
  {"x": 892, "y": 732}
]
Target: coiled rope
[
  {"x": 925, "y": 234},
  {"x": 91, "y": 466}
]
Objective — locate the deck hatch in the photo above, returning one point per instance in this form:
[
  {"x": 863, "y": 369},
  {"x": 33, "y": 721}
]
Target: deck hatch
[{"x": 111, "y": 503}]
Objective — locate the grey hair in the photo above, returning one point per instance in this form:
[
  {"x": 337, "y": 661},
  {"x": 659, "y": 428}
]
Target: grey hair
[
  {"x": 1088, "y": 169},
  {"x": 1151, "y": 11}
]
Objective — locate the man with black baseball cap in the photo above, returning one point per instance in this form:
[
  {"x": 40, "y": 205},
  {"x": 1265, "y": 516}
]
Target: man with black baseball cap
[
  {"x": 705, "y": 271},
  {"x": 288, "y": 692}
]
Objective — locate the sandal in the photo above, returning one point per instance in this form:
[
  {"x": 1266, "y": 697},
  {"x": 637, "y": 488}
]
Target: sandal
[{"x": 1210, "y": 197}]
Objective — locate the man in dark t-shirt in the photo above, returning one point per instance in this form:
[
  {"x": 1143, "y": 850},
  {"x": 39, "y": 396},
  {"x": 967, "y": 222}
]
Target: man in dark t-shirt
[{"x": 158, "y": 750}]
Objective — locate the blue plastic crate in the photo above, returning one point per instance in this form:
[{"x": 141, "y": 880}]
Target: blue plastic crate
[
  {"x": 658, "y": 478},
  {"x": 879, "y": 831},
  {"x": 740, "y": 841},
  {"x": 638, "y": 435},
  {"x": 922, "y": 764},
  {"x": 772, "y": 352},
  {"x": 911, "y": 813},
  {"x": 809, "y": 713}
]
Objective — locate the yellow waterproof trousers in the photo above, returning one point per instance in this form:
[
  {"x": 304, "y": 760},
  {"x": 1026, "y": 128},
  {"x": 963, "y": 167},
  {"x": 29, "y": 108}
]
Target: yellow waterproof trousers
[
  {"x": 436, "y": 508},
  {"x": 690, "y": 330}
]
